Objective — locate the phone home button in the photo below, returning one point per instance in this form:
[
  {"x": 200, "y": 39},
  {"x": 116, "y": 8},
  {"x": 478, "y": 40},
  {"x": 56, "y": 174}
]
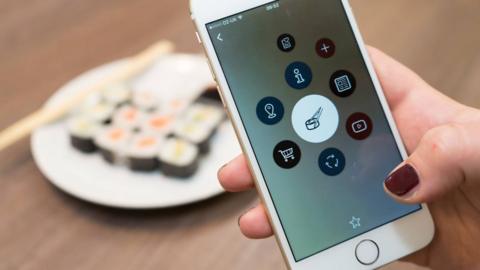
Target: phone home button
[{"x": 367, "y": 252}]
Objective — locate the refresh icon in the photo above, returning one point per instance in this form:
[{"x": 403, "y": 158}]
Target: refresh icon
[{"x": 331, "y": 161}]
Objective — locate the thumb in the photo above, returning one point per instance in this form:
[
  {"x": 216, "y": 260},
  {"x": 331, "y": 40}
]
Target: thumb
[{"x": 443, "y": 160}]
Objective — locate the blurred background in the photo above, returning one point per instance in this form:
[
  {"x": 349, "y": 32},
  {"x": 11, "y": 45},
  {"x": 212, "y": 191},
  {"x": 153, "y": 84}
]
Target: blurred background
[{"x": 44, "y": 44}]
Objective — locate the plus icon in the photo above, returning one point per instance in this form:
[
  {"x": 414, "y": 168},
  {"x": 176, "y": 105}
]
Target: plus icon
[{"x": 325, "y": 48}]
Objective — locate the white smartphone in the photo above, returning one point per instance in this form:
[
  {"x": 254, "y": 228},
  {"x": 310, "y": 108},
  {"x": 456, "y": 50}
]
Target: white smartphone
[{"x": 312, "y": 119}]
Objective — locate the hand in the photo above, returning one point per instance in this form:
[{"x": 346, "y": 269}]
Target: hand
[{"x": 443, "y": 169}]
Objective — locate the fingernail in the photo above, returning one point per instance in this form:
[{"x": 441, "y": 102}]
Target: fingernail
[
  {"x": 238, "y": 220},
  {"x": 220, "y": 170},
  {"x": 240, "y": 217},
  {"x": 403, "y": 180},
  {"x": 246, "y": 212},
  {"x": 224, "y": 165}
]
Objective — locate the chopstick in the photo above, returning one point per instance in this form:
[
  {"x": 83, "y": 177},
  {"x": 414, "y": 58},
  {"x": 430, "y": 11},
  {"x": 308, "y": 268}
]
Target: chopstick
[{"x": 136, "y": 64}]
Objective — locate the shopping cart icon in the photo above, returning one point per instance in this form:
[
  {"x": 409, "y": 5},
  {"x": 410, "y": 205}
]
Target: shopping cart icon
[{"x": 287, "y": 154}]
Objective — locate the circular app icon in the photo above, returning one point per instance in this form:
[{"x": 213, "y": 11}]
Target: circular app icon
[
  {"x": 359, "y": 126},
  {"x": 343, "y": 83},
  {"x": 298, "y": 75},
  {"x": 286, "y": 43},
  {"x": 287, "y": 154},
  {"x": 270, "y": 110},
  {"x": 331, "y": 161},
  {"x": 315, "y": 118},
  {"x": 325, "y": 48}
]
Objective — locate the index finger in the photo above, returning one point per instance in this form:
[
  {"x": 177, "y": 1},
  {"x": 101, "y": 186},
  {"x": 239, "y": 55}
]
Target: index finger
[{"x": 235, "y": 176}]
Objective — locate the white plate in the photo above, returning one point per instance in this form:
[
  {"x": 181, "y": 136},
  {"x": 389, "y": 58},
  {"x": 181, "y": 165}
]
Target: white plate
[{"x": 90, "y": 178}]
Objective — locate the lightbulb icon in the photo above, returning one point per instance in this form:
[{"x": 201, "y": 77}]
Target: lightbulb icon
[{"x": 270, "y": 110}]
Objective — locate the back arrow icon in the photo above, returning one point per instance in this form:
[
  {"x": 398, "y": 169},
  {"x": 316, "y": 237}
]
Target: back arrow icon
[{"x": 219, "y": 37}]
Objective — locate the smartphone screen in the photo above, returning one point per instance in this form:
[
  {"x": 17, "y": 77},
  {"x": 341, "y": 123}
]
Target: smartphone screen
[{"x": 312, "y": 115}]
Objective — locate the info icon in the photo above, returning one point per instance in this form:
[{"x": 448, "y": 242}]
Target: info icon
[
  {"x": 287, "y": 154},
  {"x": 359, "y": 126},
  {"x": 331, "y": 162},
  {"x": 286, "y": 43},
  {"x": 270, "y": 110},
  {"x": 342, "y": 83},
  {"x": 325, "y": 48},
  {"x": 298, "y": 75}
]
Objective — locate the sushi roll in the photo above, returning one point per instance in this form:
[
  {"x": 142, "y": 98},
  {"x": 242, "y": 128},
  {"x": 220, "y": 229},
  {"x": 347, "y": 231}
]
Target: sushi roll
[
  {"x": 145, "y": 100},
  {"x": 210, "y": 94},
  {"x": 204, "y": 114},
  {"x": 112, "y": 142},
  {"x": 82, "y": 132},
  {"x": 195, "y": 133},
  {"x": 158, "y": 123},
  {"x": 129, "y": 117},
  {"x": 179, "y": 158},
  {"x": 117, "y": 94},
  {"x": 175, "y": 106},
  {"x": 142, "y": 153},
  {"x": 101, "y": 112}
]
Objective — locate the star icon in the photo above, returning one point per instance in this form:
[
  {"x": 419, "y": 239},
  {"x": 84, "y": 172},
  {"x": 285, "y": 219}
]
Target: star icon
[{"x": 355, "y": 222}]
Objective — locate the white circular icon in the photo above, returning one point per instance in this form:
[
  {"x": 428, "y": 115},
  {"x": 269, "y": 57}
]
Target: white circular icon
[{"x": 315, "y": 118}]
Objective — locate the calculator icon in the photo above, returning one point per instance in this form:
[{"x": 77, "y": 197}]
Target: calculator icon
[{"x": 343, "y": 84}]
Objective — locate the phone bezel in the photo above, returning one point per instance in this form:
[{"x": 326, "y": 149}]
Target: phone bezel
[{"x": 395, "y": 240}]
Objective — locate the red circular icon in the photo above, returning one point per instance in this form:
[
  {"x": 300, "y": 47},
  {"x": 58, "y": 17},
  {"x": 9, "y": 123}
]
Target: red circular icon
[
  {"x": 325, "y": 48},
  {"x": 359, "y": 126}
]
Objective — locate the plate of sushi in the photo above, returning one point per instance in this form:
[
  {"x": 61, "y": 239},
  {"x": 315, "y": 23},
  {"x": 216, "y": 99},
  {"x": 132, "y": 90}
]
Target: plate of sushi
[{"x": 155, "y": 141}]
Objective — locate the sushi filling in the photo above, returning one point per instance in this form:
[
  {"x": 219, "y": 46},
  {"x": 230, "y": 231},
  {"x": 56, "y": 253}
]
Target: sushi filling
[
  {"x": 129, "y": 117},
  {"x": 117, "y": 95},
  {"x": 145, "y": 100},
  {"x": 112, "y": 143},
  {"x": 142, "y": 153},
  {"x": 158, "y": 123},
  {"x": 101, "y": 112},
  {"x": 195, "y": 133},
  {"x": 176, "y": 106},
  {"x": 208, "y": 115},
  {"x": 82, "y": 131},
  {"x": 179, "y": 158}
]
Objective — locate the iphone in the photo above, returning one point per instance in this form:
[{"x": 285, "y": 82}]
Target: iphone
[{"x": 310, "y": 114}]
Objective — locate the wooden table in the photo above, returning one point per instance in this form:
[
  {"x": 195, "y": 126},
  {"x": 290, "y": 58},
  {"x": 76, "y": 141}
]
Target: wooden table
[{"x": 45, "y": 43}]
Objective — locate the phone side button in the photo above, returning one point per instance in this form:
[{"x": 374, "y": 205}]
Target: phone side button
[
  {"x": 367, "y": 252},
  {"x": 211, "y": 70},
  {"x": 198, "y": 38},
  {"x": 221, "y": 96}
]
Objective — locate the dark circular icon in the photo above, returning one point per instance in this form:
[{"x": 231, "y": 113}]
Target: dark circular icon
[
  {"x": 325, "y": 48},
  {"x": 287, "y": 154},
  {"x": 331, "y": 161},
  {"x": 342, "y": 83},
  {"x": 286, "y": 43},
  {"x": 359, "y": 126},
  {"x": 270, "y": 110},
  {"x": 298, "y": 75}
]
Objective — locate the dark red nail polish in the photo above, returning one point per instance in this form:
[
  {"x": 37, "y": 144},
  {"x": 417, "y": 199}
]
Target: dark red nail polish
[{"x": 402, "y": 181}]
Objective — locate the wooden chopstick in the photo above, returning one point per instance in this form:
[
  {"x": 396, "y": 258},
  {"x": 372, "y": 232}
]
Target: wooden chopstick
[{"x": 135, "y": 65}]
